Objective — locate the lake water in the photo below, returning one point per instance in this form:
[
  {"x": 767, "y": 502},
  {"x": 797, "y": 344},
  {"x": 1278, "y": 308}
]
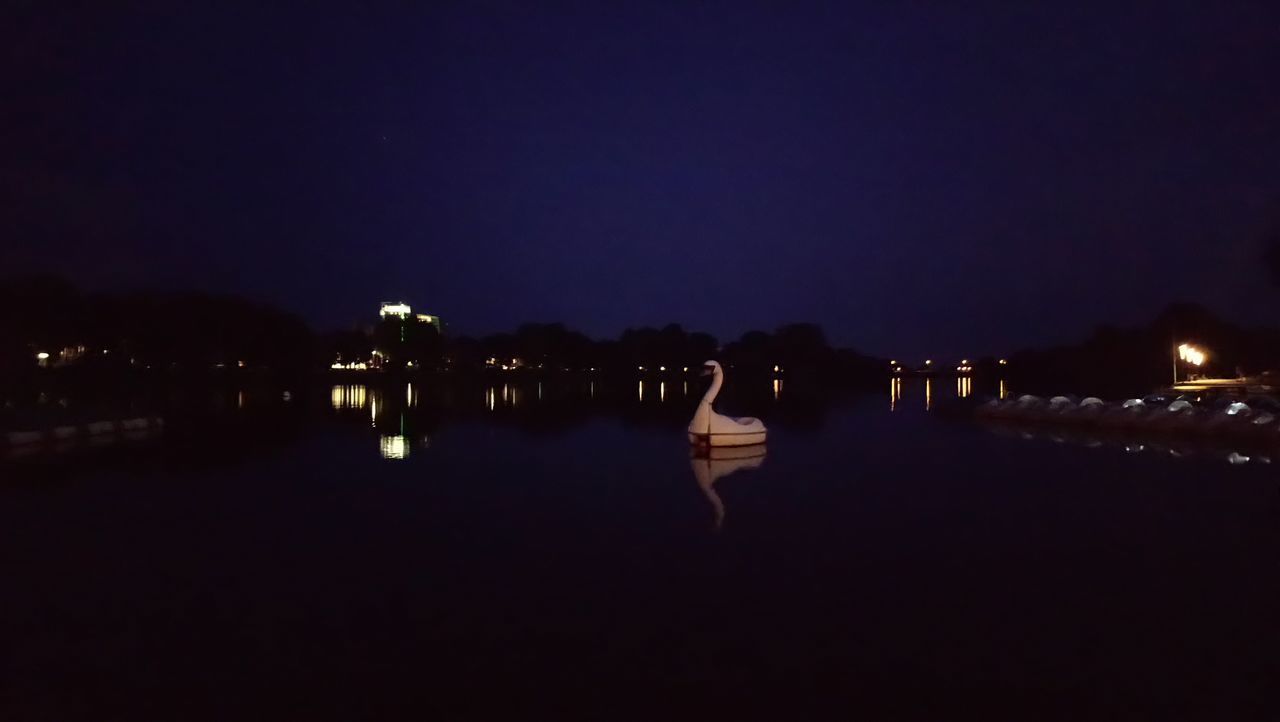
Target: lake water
[{"x": 362, "y": 553}]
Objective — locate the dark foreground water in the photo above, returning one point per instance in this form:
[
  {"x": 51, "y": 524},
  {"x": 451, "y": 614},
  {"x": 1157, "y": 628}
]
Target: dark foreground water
[{"x": 395, "y": 563}]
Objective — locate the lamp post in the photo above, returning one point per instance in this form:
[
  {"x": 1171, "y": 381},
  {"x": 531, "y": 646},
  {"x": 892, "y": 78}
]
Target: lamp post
[{"x": 1188, "y": 354}]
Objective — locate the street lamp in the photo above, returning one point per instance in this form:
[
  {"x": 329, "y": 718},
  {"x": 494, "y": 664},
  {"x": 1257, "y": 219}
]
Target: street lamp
[{"x": 1188, "y": 354}]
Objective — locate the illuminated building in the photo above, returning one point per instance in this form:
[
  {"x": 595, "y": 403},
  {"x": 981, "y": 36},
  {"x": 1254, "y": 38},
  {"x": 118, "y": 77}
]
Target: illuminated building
[
  {"x": 402, "y": 311},
  {"x": 433, "y": 320},
  {"x": 391, "y": 308}
]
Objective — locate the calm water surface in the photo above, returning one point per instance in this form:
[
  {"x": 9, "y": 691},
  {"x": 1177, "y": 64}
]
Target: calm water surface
[{"x": 518, "y": 552}]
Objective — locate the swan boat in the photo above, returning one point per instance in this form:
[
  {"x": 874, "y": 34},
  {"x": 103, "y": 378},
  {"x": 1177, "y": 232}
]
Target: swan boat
[{"x": 709, "y": 428}]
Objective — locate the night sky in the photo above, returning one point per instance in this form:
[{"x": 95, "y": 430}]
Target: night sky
[{"x": 920, "y": 178}]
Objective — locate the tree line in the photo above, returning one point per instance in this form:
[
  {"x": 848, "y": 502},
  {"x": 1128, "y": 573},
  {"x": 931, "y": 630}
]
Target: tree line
[{"x": 192, "y": 331}]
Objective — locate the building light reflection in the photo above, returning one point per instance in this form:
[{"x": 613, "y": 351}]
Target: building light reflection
[
  {"x": 394, "y": 447},
  {"x": 928, "y": 393},
  {"x": 777, "y": 389},
  {"x": 348, "y": 397},
  {"x": 662, "y": 390},
  {"x": 491, "y": 398},
  {"x": 641, "y": 393},
  {"x": 895, "y": 393},
  {"x": 1004, "y": 390},
  {"x": 964, "y": 386}
]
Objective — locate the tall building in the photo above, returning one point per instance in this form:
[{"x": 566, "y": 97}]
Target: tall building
[
  {"x": 392, "y": 308},
  {"x": 433, "y": 320},
  {"x": 401, "y": 310}
]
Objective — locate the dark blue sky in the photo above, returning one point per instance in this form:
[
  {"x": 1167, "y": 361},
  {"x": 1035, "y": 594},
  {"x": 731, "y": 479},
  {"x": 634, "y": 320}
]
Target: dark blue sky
[{"x": 920, "y": 178}]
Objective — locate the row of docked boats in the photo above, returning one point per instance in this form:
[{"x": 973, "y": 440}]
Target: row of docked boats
[
  {"x": 58, "y": 439},
  {"x": 1233, "y": 451},
  {"x": 1244, "y": 418}
]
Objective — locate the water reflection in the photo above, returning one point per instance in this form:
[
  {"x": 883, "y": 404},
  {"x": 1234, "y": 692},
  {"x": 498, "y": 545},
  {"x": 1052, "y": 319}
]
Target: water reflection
[
  {"x": 394, "y": 447},
  {"x": 964, "y": 386},
  {"x": 353, "y": 396},
  {"x": 895, "y": 393},
  {"x": 711, "y": 464},
  {"x": 1171, "y": 446},
  {"x": 928, "y": 393},
  {"x": 1004, "y": 390},
  {"x": 564, "y": 402}
]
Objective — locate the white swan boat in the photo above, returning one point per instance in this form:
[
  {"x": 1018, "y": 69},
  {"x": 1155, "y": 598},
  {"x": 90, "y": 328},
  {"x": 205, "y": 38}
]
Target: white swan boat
[{"x": 709, "y": 428}]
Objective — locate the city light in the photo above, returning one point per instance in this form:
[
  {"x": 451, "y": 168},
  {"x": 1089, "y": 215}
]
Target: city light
[
  {"x": 394, "y": 309},
  {"x": 1192, "y": 355},
  {"x": 1003, "y": 362},
  {"x": 43, "y": 356}
]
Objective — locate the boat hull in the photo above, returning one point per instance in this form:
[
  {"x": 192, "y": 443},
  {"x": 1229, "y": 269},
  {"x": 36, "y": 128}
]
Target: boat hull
[{"x": 747, "y": 438}]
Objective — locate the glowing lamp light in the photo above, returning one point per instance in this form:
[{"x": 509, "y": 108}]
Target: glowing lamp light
[
  {"x": 43, "y": 356},
  {"x": 1192, "y": 355},
  {"x": 1003, "y": 362},
  {"x": 662, "y": 368},
  {"x": 928, "y": 362}
]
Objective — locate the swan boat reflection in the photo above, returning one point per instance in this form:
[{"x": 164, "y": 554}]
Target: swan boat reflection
[{"x": 711, "y": 464}]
